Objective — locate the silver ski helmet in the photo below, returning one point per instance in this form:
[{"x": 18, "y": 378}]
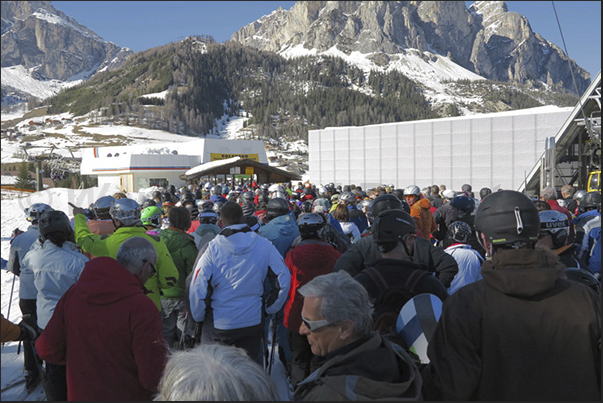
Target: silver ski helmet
[{"x": 126, "y": 211}]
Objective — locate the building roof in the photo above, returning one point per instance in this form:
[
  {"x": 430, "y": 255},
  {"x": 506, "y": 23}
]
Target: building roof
[{"x": 222, "y": 167}]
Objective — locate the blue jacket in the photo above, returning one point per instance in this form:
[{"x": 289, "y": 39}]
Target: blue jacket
[
  {"x": 55, "y": 270},
  {"x": 588, "y": 239},
  {"x": 281, "y": 231},
  {"x": 234, "y": 266},
  {"x": 358, "y": 218}
]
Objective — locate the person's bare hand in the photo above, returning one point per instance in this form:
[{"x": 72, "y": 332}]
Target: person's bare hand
[{"x": 77, "y": 210}]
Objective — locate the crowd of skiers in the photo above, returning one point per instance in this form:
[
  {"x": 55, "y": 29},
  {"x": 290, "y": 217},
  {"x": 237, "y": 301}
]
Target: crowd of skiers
[{"x": 181, "y": 293}]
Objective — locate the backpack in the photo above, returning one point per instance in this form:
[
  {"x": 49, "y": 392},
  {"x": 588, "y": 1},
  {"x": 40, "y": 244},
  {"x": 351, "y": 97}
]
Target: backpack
[
  {"x": 337, "y": 239},
  {"x": 390, "y": 300}
]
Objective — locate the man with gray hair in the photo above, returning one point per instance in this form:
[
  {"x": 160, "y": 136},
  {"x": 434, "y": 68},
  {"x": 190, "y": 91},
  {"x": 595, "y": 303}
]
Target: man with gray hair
[
  {"x": 107, "y": 332},
  {"x": 356, "y": 363},
  {"x": 214, "y": 372}
]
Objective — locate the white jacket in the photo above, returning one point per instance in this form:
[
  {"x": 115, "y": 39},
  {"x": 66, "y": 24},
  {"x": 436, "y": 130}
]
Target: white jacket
[
  {"x": 470, "y": 265},
  {"x": 235, "y": 266},
  {"x": 55, "y": 270}
]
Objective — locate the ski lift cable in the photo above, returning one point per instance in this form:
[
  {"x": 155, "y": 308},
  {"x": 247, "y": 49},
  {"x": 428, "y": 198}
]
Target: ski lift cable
[{"x": 569, "y": 63}]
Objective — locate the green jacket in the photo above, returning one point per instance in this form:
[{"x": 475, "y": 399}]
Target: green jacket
[
  {"x": 184, "y": 253},
  {"x": 107, "y": 245}
]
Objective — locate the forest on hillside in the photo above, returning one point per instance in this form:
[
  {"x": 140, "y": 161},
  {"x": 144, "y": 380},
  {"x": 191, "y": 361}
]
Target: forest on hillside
[{"x": 283, "y": 97}]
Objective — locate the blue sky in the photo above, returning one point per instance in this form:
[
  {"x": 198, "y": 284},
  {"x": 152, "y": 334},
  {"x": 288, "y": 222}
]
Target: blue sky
[{"x": 142, "y": 25}]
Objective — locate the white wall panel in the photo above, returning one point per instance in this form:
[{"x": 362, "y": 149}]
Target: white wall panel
[{"x": 493, "y": 150}]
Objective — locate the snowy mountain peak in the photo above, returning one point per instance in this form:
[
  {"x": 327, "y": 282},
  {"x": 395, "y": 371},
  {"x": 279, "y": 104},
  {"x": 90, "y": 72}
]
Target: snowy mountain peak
[
  {"x": 486, "y": 39},
  {"x": 51, "y": 47}
]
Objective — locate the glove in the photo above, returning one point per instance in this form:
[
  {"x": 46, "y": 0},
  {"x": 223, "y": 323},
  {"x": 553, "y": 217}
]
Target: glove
[{"x": 28, "y": 332}]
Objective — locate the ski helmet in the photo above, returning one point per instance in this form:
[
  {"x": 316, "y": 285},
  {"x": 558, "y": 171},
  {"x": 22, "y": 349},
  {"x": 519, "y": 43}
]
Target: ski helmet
[
  {"x": 385, "y": 202},
  {"x": 321, "y": 202},
  {"x": 35, "y": 211},
  {"x": 555, "y": 223},
  {"x": 348, "y": 198},
  {"x": 216, "y": 190},
  {"x": 484, "y": 192},
  {"x": 591, "y": 200},
  {"x": 157, "y": 195},
  {"x": 389, "y": 228},
  {"x": 205, "y": 205},
  {"x": 309, "y": 224},
  {"x": 101, "y": 207},
  {"x": 460, "y": 231},
  {"x": 399, "y": 193},
  {"x": 277, "y": 207},
  {"x": 412, "y": 190},
  {"x": 247, "y": 196},
  {"x": 147, "y": 203},
  {"x": 151, "y": 216},
  {"x": 449, "y": 194},
  {"x": 463, "y": 203},
  {"x": 54, "y": 221},
  {"x": 166, "y": 197},
  {"x": 191, "y": 206},
  {"x": 217, "y": 207},
  {"x": 579, "y": 195},
  {"x": 306, "y": 207},
  {"x": 508, "y": 218},
  {"x": 126, "y": 211}
]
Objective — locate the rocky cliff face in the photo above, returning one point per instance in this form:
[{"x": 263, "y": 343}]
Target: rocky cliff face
[
  {"x": 485, "y": 39},
  {"x": 52, "y": 45}
]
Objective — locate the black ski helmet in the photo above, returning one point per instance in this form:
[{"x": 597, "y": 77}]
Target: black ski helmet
[
  {"x": 385, "y": 202},
  {"x": 54, "y": 221},
  {"x": 508, "y": 218},
  {"x": 309, "y": 225},
  {"x": 277, "y": 207},
  {"x": 391, "y": 225},
  {"x": 459, "y": 231},
  {"x": 590, "y": 201}
]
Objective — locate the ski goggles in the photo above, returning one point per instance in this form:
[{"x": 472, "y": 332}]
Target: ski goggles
[{"x": 314, "y": 325}]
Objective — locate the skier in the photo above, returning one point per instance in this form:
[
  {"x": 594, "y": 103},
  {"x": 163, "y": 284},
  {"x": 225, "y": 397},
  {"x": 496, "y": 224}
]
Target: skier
[
  {"x": 468, "y": 259},
  {"x": 19, "y": 247}
]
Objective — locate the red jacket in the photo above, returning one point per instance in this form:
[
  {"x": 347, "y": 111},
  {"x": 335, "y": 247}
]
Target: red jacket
[
  {"x": 305, "y": 262},
  {"x": 108, "y": 333}
]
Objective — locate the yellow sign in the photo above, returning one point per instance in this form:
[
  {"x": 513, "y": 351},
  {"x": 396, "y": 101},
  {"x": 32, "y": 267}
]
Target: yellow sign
[
  {"x": 218, "y": 156},
  {"x": 249, "y": 171}
]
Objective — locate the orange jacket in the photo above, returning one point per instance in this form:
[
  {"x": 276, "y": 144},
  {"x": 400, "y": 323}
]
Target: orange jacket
[{"x": 421, "y": 212}]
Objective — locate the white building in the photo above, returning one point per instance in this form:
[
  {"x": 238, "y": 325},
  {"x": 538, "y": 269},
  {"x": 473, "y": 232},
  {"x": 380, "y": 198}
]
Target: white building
[
  {"x": 495, "y": 150},
  {"x": 132, "y": 168}
]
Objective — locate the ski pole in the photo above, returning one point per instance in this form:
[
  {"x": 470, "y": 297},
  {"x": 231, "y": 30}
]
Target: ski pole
[
  {"x": 272, "y": 344},
  {"x": 10, "y": 301}
]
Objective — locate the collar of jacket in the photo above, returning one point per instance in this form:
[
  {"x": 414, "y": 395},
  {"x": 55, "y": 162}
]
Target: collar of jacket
[{"x": 234, "y": 229}]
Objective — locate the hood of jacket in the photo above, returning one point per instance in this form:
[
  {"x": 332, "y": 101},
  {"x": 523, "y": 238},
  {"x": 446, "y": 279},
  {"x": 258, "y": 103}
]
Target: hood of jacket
[
  {"x": 523, "y": 272},
  {"x": 371, "y": 371},
  {"x": 314, "y": 257},
  {"x": 422, "y": 204},
  {"x": 203, "y": 229},
  {"x": 236, "y": 239},
  {"x": 285, "y": 225},
  {"x": 105, "y": 281}
]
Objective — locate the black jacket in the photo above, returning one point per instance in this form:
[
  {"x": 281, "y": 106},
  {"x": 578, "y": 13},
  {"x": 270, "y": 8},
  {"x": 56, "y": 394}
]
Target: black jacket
[
  {"x": 521, "y": 333},
  {"x": 364, "y": 252}
]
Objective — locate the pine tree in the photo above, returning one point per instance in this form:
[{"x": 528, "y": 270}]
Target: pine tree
[{"x": 24, "y": 178}]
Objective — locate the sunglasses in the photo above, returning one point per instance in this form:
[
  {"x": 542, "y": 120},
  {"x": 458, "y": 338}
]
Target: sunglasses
[
  {"x": 314, "y": 325},
  {"x": 153, "y": 270}
]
